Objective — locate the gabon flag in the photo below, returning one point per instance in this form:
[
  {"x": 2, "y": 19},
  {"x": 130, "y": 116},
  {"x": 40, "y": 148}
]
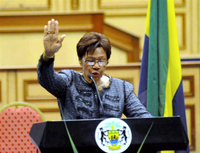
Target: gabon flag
[{"x": 160, "y": 86}]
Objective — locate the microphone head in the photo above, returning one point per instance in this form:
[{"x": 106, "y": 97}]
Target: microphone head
[{"x": 90, "y": 76}]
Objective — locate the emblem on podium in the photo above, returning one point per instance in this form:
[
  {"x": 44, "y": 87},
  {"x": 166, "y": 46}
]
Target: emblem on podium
[{"x": 113, "y": 135}]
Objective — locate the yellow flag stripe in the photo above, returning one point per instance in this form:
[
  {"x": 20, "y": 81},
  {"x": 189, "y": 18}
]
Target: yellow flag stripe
[
  {"x": 174, "y": 64},
  {"x": 148, "y": 19}
]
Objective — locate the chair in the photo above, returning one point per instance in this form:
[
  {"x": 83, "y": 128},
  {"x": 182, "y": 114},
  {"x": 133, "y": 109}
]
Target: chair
[{"x": 15, "y": 125}]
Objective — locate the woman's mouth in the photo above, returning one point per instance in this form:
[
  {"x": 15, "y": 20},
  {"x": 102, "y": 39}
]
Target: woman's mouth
[{"x": 94, "y": 75}]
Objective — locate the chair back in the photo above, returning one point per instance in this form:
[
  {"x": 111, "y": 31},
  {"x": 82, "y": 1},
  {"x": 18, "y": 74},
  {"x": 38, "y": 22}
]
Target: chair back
[{"x": 15, "y": 125}]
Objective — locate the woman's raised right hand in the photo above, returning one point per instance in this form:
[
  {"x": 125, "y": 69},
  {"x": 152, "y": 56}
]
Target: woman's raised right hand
[{"x": 51, "y": 41}]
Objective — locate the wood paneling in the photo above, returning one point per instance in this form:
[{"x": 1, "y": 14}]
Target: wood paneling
[
  {"x": 121, "y": 4},
  {"x": 68, "y": 22},
  {"x": 23, "y": 5},
  {"x": 191, "y": 121},
  {"x": 123, "y": 41},
  {"x": 75, "y": 4},
  {"x": 34, "y": 22},
  {"x": 191, "y": 90},
  {"x": 124, "y": 4},
  {"x": 32, "y": 92},
  {"x": 182, "y": 30}
]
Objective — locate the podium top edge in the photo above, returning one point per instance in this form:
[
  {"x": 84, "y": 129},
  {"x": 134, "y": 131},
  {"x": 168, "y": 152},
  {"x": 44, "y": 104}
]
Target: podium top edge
[{"x": 129, "y": 118}]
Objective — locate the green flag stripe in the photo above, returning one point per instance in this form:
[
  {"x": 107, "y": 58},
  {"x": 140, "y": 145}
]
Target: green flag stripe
[
  {"x": 163, "y": 44},
  {"x": 152, "y": 77},
  {"x": 158, "y": 57}
]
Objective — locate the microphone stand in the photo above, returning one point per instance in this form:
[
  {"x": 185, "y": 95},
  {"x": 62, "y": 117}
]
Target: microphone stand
[{"x": 98, "y": 95}]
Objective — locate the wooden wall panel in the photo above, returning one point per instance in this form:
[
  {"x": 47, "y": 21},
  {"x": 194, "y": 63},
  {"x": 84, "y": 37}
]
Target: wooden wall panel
[
  {"x": 31, "y": 91},
  {"x": 181, "y": 30},
  {"x": 34, "y": 22},
  {"x": 190, "y": 113},
  {"x": 3, "y": 88},
  {"x": 120, "y": 4},
  {"x": 24, "y": 5},
  {"x": 124, "y": 41},
  {"x": 191, "y": 75},
  {"x": 191, "y": 84},
  {"x": 188, "y": 82}
]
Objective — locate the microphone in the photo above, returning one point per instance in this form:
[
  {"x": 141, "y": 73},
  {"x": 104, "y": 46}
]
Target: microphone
[{"x": 101, "y": 103}]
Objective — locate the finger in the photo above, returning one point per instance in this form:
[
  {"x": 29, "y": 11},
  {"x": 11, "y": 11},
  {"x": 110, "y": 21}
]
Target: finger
[
  {"x": 56, "y": 27},
  {"x": 59, "y": 42},
  {"x": 49, "y": 25},
  {"x": 45, "y": 29},
  {"x": 52, "y": 26},
  {"x": 62, "y": 38}
]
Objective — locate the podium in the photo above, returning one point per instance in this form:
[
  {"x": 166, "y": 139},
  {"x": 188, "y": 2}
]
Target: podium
[{"x": 167, "y": 133}]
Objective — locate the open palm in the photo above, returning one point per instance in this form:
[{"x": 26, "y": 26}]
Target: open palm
[{"x": 51, "y": 41}]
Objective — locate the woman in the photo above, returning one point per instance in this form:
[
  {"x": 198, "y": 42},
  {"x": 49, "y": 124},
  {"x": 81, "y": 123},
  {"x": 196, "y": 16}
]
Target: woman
[{"x": 76, "y": 93}]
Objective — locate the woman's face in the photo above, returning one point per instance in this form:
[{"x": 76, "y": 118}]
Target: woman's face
[{"x": 98, "y": 67}]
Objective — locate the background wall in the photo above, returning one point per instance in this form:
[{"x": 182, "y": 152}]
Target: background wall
[
  {"x": 21, "y": 44},
  {"x": 126, "y": 15}
]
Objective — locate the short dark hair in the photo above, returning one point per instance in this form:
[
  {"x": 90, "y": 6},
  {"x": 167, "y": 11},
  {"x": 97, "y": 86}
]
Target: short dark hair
[{"x": 92, "y": 40}]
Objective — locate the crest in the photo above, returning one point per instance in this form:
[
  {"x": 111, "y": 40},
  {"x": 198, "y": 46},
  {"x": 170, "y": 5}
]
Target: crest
[{"x": 113, "y": 135}]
